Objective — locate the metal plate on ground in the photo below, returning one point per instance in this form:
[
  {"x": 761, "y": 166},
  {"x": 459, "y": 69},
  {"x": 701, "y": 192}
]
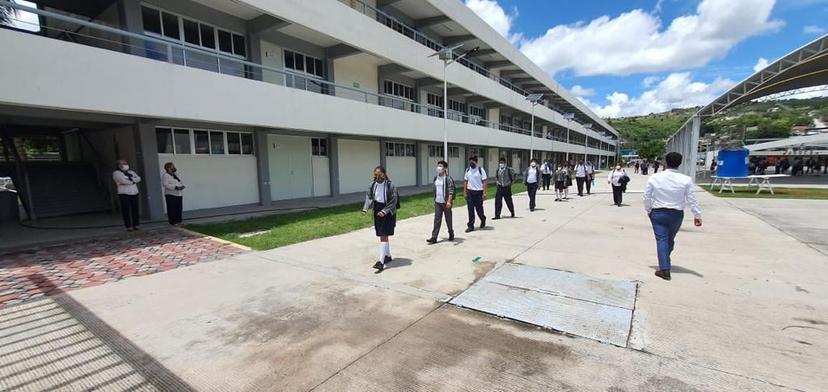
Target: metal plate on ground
[{"x": 577, "y": 304}]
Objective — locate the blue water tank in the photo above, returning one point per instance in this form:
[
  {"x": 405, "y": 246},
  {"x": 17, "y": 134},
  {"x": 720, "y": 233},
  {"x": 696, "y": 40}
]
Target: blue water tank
[{"x": 733, "y": 163}]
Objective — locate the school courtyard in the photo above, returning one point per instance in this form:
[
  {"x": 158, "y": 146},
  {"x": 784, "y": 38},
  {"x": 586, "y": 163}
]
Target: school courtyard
[{"x": 171, "y": 310}]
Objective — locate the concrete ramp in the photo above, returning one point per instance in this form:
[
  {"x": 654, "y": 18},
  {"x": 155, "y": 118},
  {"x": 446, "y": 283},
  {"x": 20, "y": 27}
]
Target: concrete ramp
[{"x": 576, "y": 304}]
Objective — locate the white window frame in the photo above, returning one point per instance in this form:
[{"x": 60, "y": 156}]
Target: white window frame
[
  {"x": 403, "y": 97},
  {"x": 181, "y": 39},
  {"x": 391, "y": 148},
  {"x": 304, "y": 67},
  {"x": 320, "y": 140},
  {"x": 191, "y": 133}
]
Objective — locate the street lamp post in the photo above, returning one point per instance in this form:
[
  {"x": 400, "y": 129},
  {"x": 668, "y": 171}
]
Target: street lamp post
[
  {"x": 446, "y": 54},
  {"x": 534, "y": 99},
  {"x": 568, "y": 117},
  {"x": 586, "y": 141}
]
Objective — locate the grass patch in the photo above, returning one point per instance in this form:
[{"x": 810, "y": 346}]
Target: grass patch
[
  {"x": 285, "y": 229},
  {"x": 779, "y": 193}
]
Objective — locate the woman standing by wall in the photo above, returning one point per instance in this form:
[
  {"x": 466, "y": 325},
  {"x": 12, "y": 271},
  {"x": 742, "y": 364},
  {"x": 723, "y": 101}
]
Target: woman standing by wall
[
  {"x": 126, "y": 182},
  {"x": 382, "y": 198},
  {"x": 173, "y": 188}
]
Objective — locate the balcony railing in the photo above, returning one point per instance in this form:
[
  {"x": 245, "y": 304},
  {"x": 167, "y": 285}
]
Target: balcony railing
[{"x": 111, "y": 38}]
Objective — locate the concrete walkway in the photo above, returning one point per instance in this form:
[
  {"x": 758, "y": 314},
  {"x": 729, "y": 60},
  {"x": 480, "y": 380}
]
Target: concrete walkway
[{"x": 744, "y": 312}]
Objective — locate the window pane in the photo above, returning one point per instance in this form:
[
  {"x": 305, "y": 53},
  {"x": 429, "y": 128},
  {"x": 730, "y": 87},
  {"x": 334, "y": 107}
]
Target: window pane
[
  {"x": 247, "y": 143},
  {"x": 314, "y": 146},
  {"x": 300, "y": 62},
  {"x": 409, "y": 150},
  {"x": 233, "y": 143},
  {"x": 152, "y": 20},
  {"x": 289, "y": 60},
  {"x": 217, "y": 143},
  {"x": 309, "y": 65},
  {"x": 319, "y": 69},
  {"x": 323, "y": 147},
  {"x": 225, "y": 41},
  {"x": 387, "y": 87},
  {"x": 164, "y": 138},
  {"x": 208, "y": 37},
  {"x": 182, "y": 141},
  {"x": 171, "y": 26},
  {"x": 239, "y": 45},
  {"x": 191, "y": 32},
  {"x": 202, "y": 142}
]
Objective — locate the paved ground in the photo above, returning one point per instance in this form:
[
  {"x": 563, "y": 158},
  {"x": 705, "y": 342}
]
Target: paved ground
[{"x": 745, "y": 312}]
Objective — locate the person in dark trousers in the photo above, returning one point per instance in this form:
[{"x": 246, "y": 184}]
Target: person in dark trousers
[
  {"x": 504, "y": 179},
  {"x": 637, "y": 166},
  {"x": 616, "y": 179},
  {"x": 547, "y": 168},
  {"x": 531, "y": 181},
  {"x": 590, "y": 170},
  {"x": 665, "y": 197},
  {"x": 475, "y": 187},
  {"x": 382, "y": 199},
  {"x": 560, "y": 182},
  {"x": 580, "y": 177},
  {"x": 126, "y": 182},
  {"x": 656, "y": 164},
  {"x": 713, "y": 165},
  {"x": 173, "y": 193},
  {"x": 444, "y": 192}
]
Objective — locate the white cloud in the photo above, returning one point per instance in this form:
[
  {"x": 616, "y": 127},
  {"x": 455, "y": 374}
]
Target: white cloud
[
  {"x": 650, "y": 81},
  {"x": 815, "y": 30},
  {"x": 492, "y": 13},
  {"x": 580, "y": 91},
  {"x": 636, "y": 42},
  {"x": 761, "y": 64},
  {"x": 677, "y": 90}
]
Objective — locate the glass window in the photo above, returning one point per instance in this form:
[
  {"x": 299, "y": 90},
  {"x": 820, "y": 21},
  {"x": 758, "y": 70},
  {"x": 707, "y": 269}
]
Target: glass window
[
  {"x": 164, "y": 138},
  {"x": 233, "y": 143},
  {"x": 191, "y": 32},
  {"x": 181, "y": 138},
  {"x": 409, "y": 150},
  {"x": 310, "y": 65},
  {"x": 225, "y": 41},
  {"x": 170, "y": 26},
  {"x": 239, "y": 46},
  {"x": 152, "y": 20},
  {"x": 247, "y": 143},
  {"x": 319, "y": 69},
  {"x": 217, "y": 143},
  {"x": 289, "y": 60},
  {"x": 300, "y": 61},
  {"x": 323, "y": 147},
  {"x": 208, "y": 36},
  {"x": 202, "y": 142},
  {"x": 454, "y": 152}
]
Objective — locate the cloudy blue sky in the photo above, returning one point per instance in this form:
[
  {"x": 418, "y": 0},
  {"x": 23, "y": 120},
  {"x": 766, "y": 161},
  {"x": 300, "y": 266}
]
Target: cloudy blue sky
[{"x": 637, "y": 57}]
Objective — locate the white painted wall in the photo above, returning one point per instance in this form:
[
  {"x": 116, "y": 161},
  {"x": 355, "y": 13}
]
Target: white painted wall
[
  {"x": 215, "y": 181},
  {"x": 494, "y": 158},
  {"x": 321, "y": 176},
  {"x": 357, "y": 160},
  {"x": 402, "y": 170},
  {"x": 273, "y": 57},
  {"x": 360, "y": 69},
  {"x": 457, "y": 165}
]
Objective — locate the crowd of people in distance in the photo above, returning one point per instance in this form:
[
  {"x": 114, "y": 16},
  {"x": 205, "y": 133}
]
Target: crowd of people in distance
[{"x": 795, "y": 166}]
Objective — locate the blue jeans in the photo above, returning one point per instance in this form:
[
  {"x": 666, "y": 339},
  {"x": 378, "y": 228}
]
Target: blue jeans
[{"x": 666, "y": 224}]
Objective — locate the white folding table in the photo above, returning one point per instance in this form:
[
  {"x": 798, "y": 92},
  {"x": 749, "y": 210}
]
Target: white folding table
[{"x": 762, "y": 181}]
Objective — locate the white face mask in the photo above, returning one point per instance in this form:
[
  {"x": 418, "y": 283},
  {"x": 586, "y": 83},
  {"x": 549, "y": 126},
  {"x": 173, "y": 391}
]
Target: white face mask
[
  {"x": 124, "y": 167},
  {"x": 501, "y": 165},
  {"x": 439, "y": 169},
  {"x": 533, "y": 164},
  {"x": 618, "y": 168}
]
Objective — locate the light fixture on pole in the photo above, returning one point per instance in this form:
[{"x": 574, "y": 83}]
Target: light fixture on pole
[
  {"x": 448, "y": 57},
  {"x": 534, "y": 99},
  {"x": 568, "y": 117}
]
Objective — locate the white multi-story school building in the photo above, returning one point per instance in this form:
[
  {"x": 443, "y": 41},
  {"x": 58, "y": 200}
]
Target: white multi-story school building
[{"x": 259, "y": 101}]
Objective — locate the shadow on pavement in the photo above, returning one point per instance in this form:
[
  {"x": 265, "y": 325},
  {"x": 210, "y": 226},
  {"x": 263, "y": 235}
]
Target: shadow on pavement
[{"x": 680, "y": 270}]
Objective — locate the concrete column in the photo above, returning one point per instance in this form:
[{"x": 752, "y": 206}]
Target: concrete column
[
  {"x": 150, "y": 171},
  {"x": 333, "y": 161},
  {"x": 254, "y": 51},
  {"x": 419, "y": 162},
  {"x": 263, "y": 167},
  {"x": 383, "y": 150}
]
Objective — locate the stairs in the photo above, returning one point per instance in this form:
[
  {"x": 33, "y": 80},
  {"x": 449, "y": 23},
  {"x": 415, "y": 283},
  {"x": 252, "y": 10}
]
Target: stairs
[{"x": 60, "y": 188}]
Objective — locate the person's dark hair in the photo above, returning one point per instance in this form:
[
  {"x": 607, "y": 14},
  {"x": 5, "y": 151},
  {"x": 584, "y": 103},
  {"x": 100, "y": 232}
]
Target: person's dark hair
[
  {"x": 167, "y": 166},
  {"x": 473, "y": 158},
  {"x": 502, "y": 159},
  {"x": 673, "y": 160},
  {"x": 442, "y": 162},
  {"x": 382, "y": 170},
  {"x": 533, "y": 160}
]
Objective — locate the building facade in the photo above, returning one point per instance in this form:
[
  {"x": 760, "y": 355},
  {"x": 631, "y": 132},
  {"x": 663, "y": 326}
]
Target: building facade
[{"x": 259, "y": 101}]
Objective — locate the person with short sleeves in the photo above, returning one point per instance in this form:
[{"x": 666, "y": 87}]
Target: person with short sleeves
[
  {"x": 560, "y": 182},
  {"x": 382, "y": 199},
  {"x": 616, "y": 179},
  {"x": 173, "y": 193},
  {"x": 126, "y": 182},
  {"x": 531, "y": 182},
  {"x": 590, "y": 178},
  {"x": 547, "y": 168},
  {"x": 580, "y": 177},
  {"x": 475, "y": 187}
]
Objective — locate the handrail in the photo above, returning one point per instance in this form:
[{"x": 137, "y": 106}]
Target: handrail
[{"x": 168, "y": 50}]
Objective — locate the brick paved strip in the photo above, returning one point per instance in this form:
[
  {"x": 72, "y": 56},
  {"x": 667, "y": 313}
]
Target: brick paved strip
[{"x": 28, "y": 275}]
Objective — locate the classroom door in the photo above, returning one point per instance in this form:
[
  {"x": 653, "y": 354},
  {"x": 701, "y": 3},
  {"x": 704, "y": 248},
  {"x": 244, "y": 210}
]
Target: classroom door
[{"x": 290, "y": 165}]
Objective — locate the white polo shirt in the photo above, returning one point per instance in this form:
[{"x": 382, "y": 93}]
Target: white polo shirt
[
  {"x": 532, "y": 175},
  {"x": 475, "y": 178}
]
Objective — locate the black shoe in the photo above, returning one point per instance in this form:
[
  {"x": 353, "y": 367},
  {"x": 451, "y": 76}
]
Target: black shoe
[
  {"x": 379, "y": 266},
  {"x": 663, "y": 274},
  {"x": 496, "y": 218},
  {"x": 451, "y": 236},
  {"x": 432, "y": 240},
  {"x": 531, "y": 210},
  {"x": 513, "y": 215},
  {"x": 483, "y": 223},
  {"x": 469, "y": 229},
  {"x": 388, "y": 259}
]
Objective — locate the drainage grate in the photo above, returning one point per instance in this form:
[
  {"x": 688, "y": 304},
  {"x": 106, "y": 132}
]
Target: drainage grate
[{"x": 569, "y": 302}]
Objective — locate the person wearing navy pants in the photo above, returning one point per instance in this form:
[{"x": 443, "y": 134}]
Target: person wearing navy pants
[{"x": 666, "y": 224}]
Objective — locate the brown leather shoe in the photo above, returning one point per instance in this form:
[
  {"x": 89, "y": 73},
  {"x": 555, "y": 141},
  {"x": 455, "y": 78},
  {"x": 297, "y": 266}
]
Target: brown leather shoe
[{"x": 663, "y": 274}]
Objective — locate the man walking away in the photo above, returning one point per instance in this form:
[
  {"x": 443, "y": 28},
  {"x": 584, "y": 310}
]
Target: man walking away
[
  {"x": 655, "y": 166},
  {"x": 444, "y": 191},
  {"x": 580, "y": 177},
  {"x": 505, "y": 177},
  {"x": 474, "y": 190},
  {"x": 590, "y": 178},
  {"x": 665, "y": 197},
  {"x": 637, "y": 165},
  {"x": 531, "y": 182},
  {"x": 546, "y": 173}
]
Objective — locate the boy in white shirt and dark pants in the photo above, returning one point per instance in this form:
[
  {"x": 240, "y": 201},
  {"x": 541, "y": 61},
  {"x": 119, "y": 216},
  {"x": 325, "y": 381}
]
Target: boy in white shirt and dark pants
[
  {"x": 474, "y": 190},
  {"x": 665, "y": 197},
  {"x": 531, "y": 182}
]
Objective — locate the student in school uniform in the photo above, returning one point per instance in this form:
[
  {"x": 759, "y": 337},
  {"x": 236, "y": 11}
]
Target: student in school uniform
[
  {"x": 547, "y": 168},
  {"x": 590, "y": 169},
  {"x": 504, "y": 179},
  {"x": 560, "y": 182},
  {"x": 618, "y": 179},
  {"x": 531, "y": 181},
  {"x": 444, "y": 192},
  {"x": 173, "y": 193},
  {"x": 475, "y": 187},
  {"x": 126, "y": 182},
  {"x": 580, "y": 177},
  {"x": 382, "y": 199}
]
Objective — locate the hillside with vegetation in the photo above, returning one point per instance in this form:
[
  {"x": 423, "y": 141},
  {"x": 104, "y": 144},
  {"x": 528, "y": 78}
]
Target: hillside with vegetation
[{"x": 754, "y": 120}]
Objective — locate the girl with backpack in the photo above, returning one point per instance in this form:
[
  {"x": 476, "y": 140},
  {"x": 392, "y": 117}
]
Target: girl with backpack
[{"x": 383, "y": 200}]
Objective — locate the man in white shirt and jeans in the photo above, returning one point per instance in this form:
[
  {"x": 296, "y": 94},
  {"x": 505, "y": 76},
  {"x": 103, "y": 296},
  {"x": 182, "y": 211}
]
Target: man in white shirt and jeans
[{"x": 665, "y": 197}]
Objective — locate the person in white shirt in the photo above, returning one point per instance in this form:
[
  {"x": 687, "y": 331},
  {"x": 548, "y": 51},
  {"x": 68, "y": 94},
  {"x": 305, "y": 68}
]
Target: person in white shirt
[
  {"x": 126, "y": 182},
  {"x": 475, "y": 188},
  {"x": 531, "y": 181},
  {"x": 547, "y": 168},
  {"x": 173, "y": 195},
  {"x": 590, "y": 177},
  {"x": 665, "y": 197},
  {"x": 617, "y": 178},
  {"x": 444, "y": 191},
  {"x": 580, "y": 177},
  {"x": 383, "y": 200}
]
